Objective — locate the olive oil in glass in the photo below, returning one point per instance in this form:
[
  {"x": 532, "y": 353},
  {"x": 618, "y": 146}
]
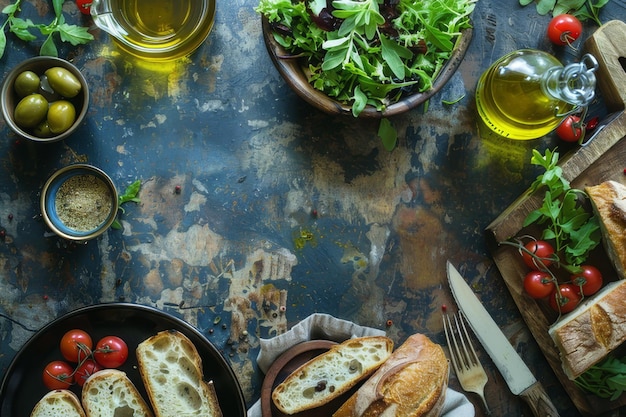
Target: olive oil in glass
[{"x": 525, "y": 94}]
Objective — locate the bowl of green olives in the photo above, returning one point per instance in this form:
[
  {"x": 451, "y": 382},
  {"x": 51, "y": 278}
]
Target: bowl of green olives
[{"x": 44, "y": 99}]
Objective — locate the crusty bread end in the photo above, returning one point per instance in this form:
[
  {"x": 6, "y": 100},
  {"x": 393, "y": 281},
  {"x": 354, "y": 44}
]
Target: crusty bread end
[
  {"x": 58, "y": 403},
  {"x": 110, "y": 393}
]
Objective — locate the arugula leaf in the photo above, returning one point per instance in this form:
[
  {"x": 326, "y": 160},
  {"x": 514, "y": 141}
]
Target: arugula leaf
[
  {"x": 21, "y": 28},
  {"x": 607, "y": 379}
]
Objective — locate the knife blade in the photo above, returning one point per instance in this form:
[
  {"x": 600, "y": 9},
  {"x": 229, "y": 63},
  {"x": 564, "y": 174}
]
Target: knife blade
[{"x": 518, "y": 377}]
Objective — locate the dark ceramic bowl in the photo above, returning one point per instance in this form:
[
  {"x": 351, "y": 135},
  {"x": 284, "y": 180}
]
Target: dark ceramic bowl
[
  {"x": 38, "y": 65},
  {"x": 52, "y": 198},
  {"x": 293, "y": 74}
]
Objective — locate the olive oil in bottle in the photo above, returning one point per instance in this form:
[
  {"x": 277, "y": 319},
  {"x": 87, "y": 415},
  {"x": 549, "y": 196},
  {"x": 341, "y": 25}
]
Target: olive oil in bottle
[{"x": 526, "y": 94}]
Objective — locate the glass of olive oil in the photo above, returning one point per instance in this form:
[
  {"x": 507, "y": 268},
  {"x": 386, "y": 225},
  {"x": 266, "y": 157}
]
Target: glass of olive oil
[{"x": 155, "y": 30}]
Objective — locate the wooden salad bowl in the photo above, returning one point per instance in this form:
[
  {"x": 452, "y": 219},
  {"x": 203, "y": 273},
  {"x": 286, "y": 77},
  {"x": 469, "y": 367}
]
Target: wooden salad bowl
[{"x": 292, "y": 72}]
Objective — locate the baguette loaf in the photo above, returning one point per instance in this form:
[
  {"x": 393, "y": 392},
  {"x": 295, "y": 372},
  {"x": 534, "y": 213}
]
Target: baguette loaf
[
  {"x": 598, "y": 326},
  {"x": 110, "y": 393},
  {"x": 609, "y": 203},
  {"x": 171, "y": 370},
  {"x": 330, "y": 374},
  {"x": 411, "y": 383},
  {"x": 58, "y": 403}
]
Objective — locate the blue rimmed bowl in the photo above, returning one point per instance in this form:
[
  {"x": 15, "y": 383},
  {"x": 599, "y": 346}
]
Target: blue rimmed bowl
[{"x": 79, "y": 202}]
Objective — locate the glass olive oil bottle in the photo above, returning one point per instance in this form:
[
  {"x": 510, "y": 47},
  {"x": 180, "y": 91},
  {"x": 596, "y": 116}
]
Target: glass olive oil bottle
[{"x": 527, "y": 93}]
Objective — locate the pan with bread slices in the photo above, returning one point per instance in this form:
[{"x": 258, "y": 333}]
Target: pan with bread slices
[{"x": 202, "y": 373}]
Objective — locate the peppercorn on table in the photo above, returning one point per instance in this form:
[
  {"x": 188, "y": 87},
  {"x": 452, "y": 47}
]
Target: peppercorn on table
[{"x": 256, "y": 210}]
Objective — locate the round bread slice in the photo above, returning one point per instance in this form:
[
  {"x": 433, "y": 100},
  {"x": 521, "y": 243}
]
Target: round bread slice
[
  {"x": 110, "y": 393},
  {"x": 327, "y": 376},
  {"x": 171, "y": 370},
  {"x": 58, "y": 403}
]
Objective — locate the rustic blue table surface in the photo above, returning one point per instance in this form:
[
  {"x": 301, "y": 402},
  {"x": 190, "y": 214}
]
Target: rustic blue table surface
[{"x": 258, "y": 210}]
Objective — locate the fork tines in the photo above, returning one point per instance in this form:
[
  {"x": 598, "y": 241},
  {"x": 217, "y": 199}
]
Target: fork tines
[{"x": 467, "y": 367}]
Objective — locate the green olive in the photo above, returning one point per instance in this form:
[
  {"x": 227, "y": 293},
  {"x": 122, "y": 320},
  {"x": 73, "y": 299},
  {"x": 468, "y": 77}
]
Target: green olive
[
  {"x": 42, "y": 130},
  {"x": 61, "y": 116},
  {"x": 26, "y": 83},
  {"x": 30, "y": 111},
  {"x": 63, "y": 82}
]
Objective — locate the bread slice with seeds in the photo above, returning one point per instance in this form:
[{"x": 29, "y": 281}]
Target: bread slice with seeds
[
  {"x": 327, "y": 376},
  {"x": 171, "y": 370}
]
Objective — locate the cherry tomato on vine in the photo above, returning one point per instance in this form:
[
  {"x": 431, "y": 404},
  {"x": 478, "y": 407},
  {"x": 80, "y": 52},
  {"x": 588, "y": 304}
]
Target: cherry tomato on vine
[
  {"x": 76, "y": 345},
  {"x": 589, "y": 280},
  {"x": 564, "y": 29},
  {"x": 58, "y": 375},
  {"x": 566, "y": 299},
  {"x": 570, "y": 129},
  {"x": 84, "y": 6},
  {"x": 538, "y": 284},
  {"x": 110, "y": 352},
  {"x": 542, "y": 252},
  {"x": 85, "y": 370}
]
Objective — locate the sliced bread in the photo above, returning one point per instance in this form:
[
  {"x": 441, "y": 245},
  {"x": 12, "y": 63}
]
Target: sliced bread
[
  {"x": 58, "y": 403},
  {"x": 331, "y": 374},
  {"x": 110, "y": 393},
  {"x": 171, "y": 370}
]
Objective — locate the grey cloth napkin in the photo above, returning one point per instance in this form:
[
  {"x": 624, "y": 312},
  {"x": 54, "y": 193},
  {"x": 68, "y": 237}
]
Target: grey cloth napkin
[{"x": 327, "y": 327}]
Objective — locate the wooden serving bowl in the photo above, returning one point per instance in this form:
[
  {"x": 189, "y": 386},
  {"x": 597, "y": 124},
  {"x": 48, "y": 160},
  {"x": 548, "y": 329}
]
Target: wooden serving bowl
[{"x": 292, "y": 72}]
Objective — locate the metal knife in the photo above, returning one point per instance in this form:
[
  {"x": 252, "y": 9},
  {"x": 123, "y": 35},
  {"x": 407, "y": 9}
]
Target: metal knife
[{"x": 513, "y": 369}]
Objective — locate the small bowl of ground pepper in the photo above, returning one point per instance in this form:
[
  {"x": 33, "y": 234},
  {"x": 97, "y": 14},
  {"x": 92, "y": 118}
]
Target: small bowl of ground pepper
[{"x": 79, "y": 202}]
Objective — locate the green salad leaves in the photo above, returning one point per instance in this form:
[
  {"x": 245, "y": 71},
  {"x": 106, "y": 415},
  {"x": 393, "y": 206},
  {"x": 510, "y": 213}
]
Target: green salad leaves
[
  {"x": 606, "y": 379},
  {"x": 369, "y": 59}
]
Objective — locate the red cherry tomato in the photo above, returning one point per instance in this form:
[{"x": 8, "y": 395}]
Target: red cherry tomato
[
  {"x": 564, "y": 29},
  {"x": 588, "y": 281},
  {"x": 111, "y": 352},
  {"x": 570, "y": 129},
  {"x": 58, "y": 375},
  {"x": 542, "y": 252},
  {"x": 566, "y": 299},
  {"x": 84, "y": 6},
  {"x": 76, "y": 345},
  {"x": 538, "y": 284},
  {"x": 85, "y": 370}
]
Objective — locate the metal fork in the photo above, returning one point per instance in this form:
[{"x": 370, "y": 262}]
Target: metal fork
[{"x": 468, "y": 369}]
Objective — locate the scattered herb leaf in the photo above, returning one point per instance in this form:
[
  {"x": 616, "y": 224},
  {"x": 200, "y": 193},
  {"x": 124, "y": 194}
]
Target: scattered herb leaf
[
  {"x": 456, "y": 100},
  {"x": 387, "y": 134},
  {"x": 130, "y": 194},
  {"x": 21, "y": 28}
]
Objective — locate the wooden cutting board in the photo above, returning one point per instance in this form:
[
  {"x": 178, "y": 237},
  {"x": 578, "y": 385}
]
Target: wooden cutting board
[{"x": 602, "y": 159}]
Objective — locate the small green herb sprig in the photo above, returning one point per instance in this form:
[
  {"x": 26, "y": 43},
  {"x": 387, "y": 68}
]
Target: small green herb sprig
[
  {"x": 21, "y": 28},
  {"x": 574, "y": 229},
  {"x": 582, "y": 9},
  {"x": 606, "y": 379},
  {"x": 130, "y": 194}
]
